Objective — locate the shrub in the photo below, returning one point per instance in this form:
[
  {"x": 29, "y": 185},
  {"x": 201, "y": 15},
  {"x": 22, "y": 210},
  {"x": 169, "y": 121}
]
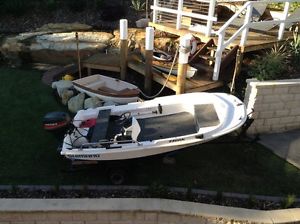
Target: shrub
[
  {"x": 50, "y": 5},
  {"x": 15, "y": 7},
  {"x": 289, "y": 201},
  {"x": 270, "y": 65},
  {"x": 157, "y": 190},
  {"x": 76, "y": 6},
  {"x": 219, "y": 197},
  {"x": 189, "y": 194},
  {"x": 280, "y": 6},
  {"x": 138, "y": 5},
  {"x": 251, "y": 202},
  {"x": 295, "y": 51},
  {"x": 99, "y": 4}
]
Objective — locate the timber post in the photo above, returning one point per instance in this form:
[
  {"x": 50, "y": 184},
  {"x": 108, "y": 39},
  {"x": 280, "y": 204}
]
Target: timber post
[
  {"x": 184, "y": 53},
  {"x": 123, "y": 48},
  {"x": 78, "y": 54},
  {"x": 149, "y": 45},
  {"x": 237, "y": 68}
]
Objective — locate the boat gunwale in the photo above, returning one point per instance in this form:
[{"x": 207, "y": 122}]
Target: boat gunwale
[
  {"x": 129, "y": 93},
  {"x": 174, "y": 143}
]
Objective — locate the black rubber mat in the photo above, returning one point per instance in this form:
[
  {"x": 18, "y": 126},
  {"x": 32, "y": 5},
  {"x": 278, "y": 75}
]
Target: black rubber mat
[{"x": 166, "y": 126}]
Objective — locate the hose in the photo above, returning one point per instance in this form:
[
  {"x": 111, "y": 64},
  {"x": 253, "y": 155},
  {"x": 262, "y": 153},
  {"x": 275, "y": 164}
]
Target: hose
[{"x": 160, "y": 91}]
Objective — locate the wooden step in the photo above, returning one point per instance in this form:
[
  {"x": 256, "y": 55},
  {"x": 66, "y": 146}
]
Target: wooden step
[
  {"x": 203, "y": 50},
  {"x": 214, "y": 48},
  {"x": 207, "y": 57},
  {"x": 204, "y": 67},
  {"x": 212, "y": 85}
]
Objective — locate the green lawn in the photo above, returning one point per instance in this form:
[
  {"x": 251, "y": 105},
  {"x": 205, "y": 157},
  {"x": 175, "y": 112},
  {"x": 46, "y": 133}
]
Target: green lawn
[{"x": 29, "y": 156}]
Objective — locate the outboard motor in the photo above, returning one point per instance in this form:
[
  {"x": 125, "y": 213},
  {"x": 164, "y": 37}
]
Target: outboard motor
[{"x": 57, "y": 123}]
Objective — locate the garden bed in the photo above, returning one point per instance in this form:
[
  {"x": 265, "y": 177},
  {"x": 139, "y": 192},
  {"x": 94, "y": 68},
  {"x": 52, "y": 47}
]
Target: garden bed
[{"x": 154, "y": 191}]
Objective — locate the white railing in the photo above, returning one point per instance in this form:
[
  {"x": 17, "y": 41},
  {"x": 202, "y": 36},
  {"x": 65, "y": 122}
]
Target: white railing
[
  {"x": 248, "y": 23},
  {"x": 179, "y": 12}
]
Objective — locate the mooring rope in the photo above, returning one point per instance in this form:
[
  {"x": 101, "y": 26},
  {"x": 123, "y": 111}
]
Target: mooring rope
[{"x": 160, "y": 91}]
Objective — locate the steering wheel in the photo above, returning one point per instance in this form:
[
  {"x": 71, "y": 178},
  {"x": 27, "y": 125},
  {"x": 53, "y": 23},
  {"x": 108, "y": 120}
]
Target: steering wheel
[{"x": 124, "y": 117}]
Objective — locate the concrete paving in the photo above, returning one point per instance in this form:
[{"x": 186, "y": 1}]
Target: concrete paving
[{"x": 286, "y": 145}]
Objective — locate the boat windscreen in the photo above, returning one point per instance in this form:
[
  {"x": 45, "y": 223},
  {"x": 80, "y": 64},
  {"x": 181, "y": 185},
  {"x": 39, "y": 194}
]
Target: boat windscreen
[{"x": 100, "y": 129}]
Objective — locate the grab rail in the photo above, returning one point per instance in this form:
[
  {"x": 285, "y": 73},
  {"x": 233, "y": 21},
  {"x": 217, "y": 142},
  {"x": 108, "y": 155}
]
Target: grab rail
[
  {"x": 179, "y": 12},
  {"x": 97, "y": 144},
  {"x": 244, "y": 29}
]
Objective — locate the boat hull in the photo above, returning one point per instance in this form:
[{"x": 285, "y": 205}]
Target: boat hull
[
  {"x": 191, "y": 71},
  {"x": 166, "y": 125},
  {"x": 107, "y": 89}
]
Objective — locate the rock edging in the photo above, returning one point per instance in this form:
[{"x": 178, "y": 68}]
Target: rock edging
[{"x": 138, "y": 188}]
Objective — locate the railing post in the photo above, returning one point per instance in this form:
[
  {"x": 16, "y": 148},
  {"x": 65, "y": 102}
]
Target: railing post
[
  {"x": 211, "y": 13},
  {"x": 246, "y": 22},
  {"x": 218, "y": 57},
  {"x": 149, "y": 46},
  {"x": 184, "y": 53},
  {"x": 179, "y": 14},
  {"x": 284, "y": 17},
  {"x": 154, "y": 11},
  {"x": 123, "y": 48}
]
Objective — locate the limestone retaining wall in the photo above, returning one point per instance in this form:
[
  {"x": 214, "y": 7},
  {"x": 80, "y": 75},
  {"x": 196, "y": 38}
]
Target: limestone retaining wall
[
  {"x": 133, "y": 211},
  {"x": 276, "y": 105}
]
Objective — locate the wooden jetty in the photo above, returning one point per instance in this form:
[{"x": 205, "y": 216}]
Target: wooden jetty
[
  {"x": 111, "y": 62},
  {"x": 103, "y": 61},
  {"x": 224, "y": 43}
]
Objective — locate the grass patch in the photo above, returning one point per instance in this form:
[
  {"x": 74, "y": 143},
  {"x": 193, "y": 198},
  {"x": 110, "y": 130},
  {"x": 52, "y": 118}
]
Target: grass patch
[{"x": 29, "y": 156}]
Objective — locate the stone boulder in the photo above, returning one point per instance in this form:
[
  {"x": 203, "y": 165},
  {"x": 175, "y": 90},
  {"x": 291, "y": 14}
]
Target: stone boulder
[
  {"x": 64, "y": 27},
  {"x": 109, "y": 103},
  {"x": 61, "y": 48},
  {"x": 10, "y": 49},
  {"x": 46, "y": 46},
  {"x": 76, "y": 103},
  {"x": 61, "y": 86},
  {"x": 164, "y": 43},
  {"x": 142, "y": 23},
  {"x": 92, "y": 102},
  {"x": 83, "y": 37},
  {"x": 66, "y": 96},
  {"x": 136, "y": 38}
]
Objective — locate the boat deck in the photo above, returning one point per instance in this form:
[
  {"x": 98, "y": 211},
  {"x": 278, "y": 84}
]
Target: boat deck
[
  {"x": 256, "y": 39},
  {"x": 178, "y": 124},
  {"x": 108, "y": 62}
]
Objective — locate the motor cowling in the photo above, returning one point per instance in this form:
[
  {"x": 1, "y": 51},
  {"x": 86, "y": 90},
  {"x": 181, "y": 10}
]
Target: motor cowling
[{"x": 56, "y": 120}]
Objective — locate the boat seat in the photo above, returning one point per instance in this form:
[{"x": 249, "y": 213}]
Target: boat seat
[
  {"x": 123, "y": 92},
  {"x": 205, "y": 116},
  {"x": 135, "y": 129},
  {"x": 100, "y": 129},
  {"x": 96, "y": 85}
]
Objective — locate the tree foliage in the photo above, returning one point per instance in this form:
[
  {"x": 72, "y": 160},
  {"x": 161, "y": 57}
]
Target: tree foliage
[{"x": 20, "y": 7}]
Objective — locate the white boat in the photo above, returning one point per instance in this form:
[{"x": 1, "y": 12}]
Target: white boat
[
  {"x": 107, "y": 89},
  {"x": 159, "y": 55},
  {"x": 158, "y": 126},
  {"x": 165, "y": 67}
]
